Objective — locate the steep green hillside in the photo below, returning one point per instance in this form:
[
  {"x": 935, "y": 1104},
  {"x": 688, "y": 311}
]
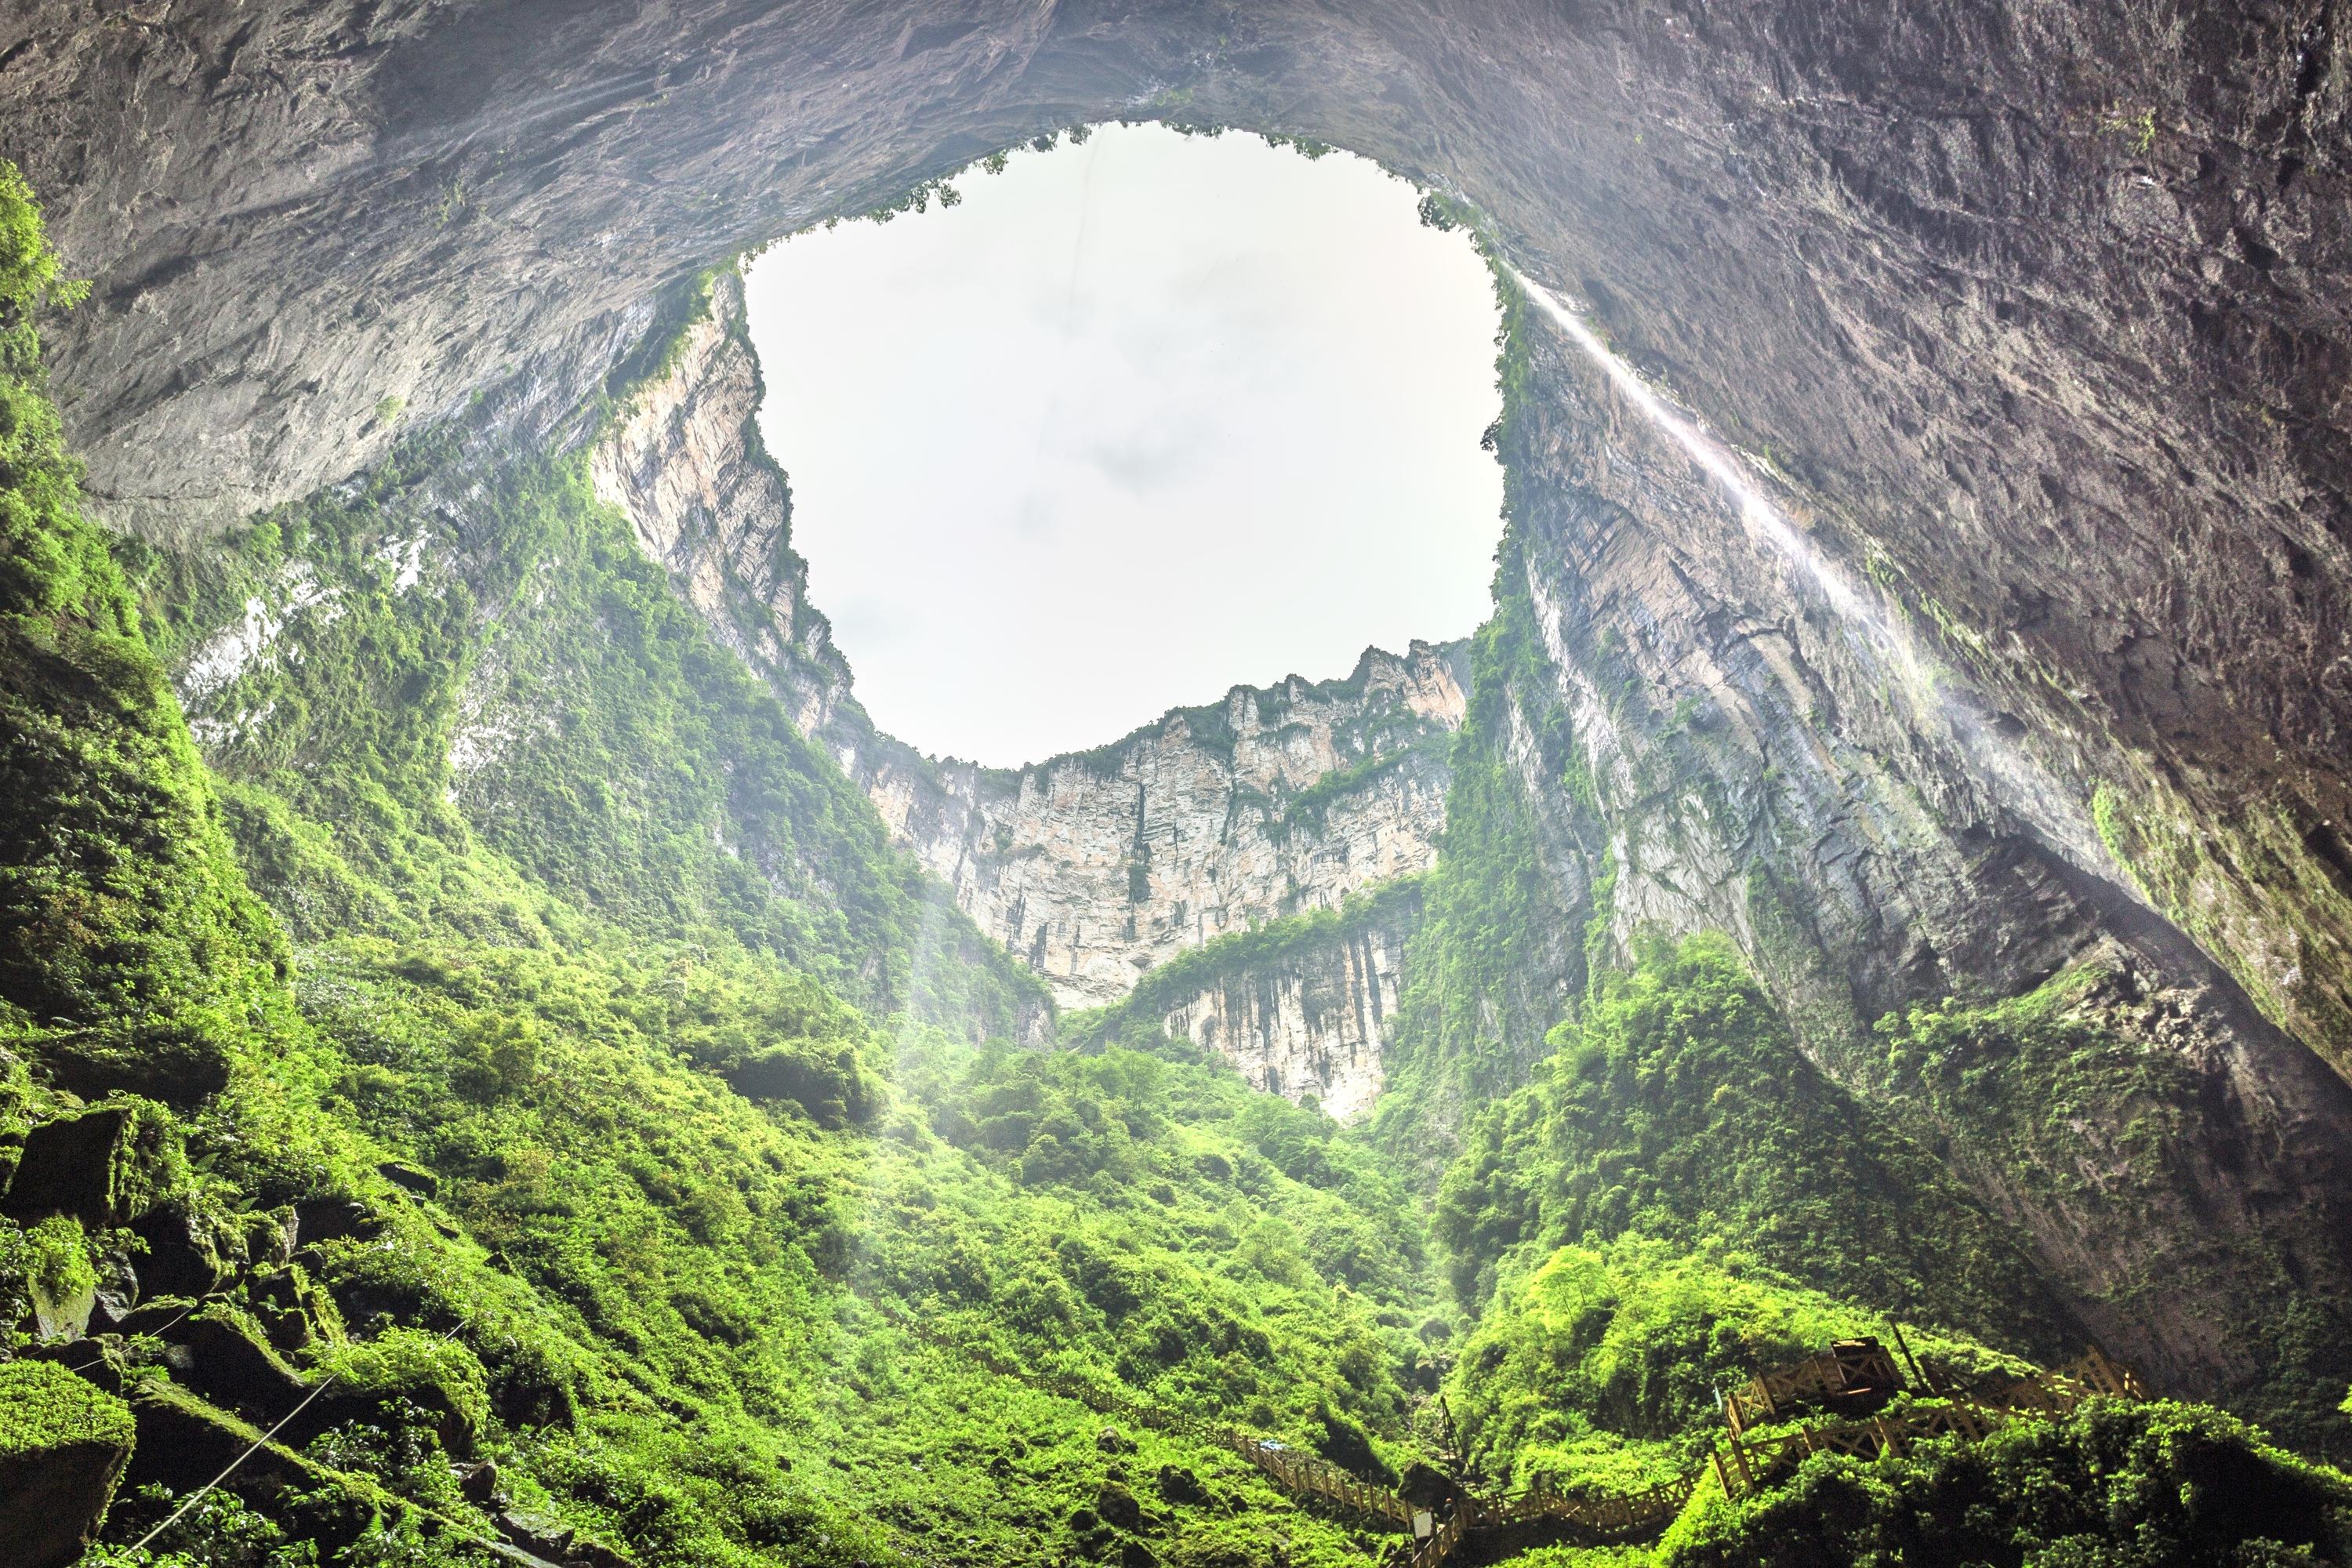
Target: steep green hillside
[
  {"x": 520, "y": 1065},
  {"x": 591, "y": 1171},
  {"x": 474, "y": 706}
]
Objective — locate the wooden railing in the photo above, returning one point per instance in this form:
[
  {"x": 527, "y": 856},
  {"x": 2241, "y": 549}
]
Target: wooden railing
[
  {"x": 1617, "y": 1516},
  {"x": 1447, "y": 1536},
  {"x": 1848, "y": 1371},
  {"x": 1740, "y": 1464},
  {"x": 1302, "y": 1472},
  {"x": 2044, "y": 1396}
]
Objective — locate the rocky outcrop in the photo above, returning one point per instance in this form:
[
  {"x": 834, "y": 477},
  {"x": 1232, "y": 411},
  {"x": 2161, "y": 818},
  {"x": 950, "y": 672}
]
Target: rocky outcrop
[
  {"x": 683, "y": 462},
  {"x": 104, "y": 1167},
  {"x": 63, "y": 1445},
  {"x": 1096, "y": 867},
  {"x": 1302, "y": 1008},
  {"x": 1091, "y": 868},
  {"x": 1769, "y": 746}
]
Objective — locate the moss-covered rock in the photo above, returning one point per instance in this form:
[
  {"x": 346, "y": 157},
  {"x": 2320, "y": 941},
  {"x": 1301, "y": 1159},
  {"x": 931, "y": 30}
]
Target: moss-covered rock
[
  {"x": 51, "y": 1263},
  {"x": 2115, "y": 1485},
  {"x": 63, "y": 1445},
  {"x": 437, "y": 1374},
  {"x": 107, "y": 1166}
]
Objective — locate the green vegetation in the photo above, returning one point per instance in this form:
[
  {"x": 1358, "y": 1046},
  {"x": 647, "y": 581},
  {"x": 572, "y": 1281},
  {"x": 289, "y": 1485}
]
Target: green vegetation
[
  {"x": 631, "y": 1006},
  {"x": 599, "y": 1096},
  {"x": 131, "y": 952},
  {"x": 1677, "y": 1106},
  {"x": 1311, "y": 806},
  {"x": 2025, "y": 1081},
  {"x": 619, "y": 764},
  {"x": 2113, "y": 1486},
  {"x": 1599, "y": 1371},
  {"x": 2196, "y": 869},
  {"x": 50, "y": 1408}
]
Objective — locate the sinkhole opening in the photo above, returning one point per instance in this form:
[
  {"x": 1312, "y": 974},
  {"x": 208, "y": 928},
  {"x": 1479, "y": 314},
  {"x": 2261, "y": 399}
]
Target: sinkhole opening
[{"x": 1126, "y": 422}]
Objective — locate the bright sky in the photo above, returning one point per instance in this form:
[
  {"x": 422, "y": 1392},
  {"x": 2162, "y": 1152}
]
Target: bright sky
[{"x": 1137, "y": 422}]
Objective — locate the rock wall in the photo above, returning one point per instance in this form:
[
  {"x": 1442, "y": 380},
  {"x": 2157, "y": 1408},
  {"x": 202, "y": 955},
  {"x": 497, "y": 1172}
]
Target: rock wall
[
  {"x": 1303, "y": 1007},
  {"x": 683, "y": 462},
  {"x": 2040, "y": 307},
  {"x": 1092, "y": 868},
  {"x": 1305, "y": 1029},
  {"x": 1781, "y": 750}
]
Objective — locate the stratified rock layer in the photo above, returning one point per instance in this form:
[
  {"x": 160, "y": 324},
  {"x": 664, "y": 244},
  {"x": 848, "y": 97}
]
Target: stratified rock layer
[
  {"x": 1310, "y": 1023},
  {"x": 1305, "y": 1006},
  {"x": 1094, "y": 867}
]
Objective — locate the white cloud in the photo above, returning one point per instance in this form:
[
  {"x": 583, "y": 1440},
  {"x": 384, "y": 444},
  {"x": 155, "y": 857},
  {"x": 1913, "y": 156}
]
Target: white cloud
[{"x": 1134, "y": 423}]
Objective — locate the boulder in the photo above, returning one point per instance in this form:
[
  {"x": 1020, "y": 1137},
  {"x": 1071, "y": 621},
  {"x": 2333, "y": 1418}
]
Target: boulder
[
  {"x": 63, "y": 1445},
  {"x": 63, "y": 1295},
  {"x": 295, "y": 1313},
  {"x": 1117, "y": 1505},
  {"x": 233, "y": 1366},
  {"x": 104, "y": 1167},
  {"x": 117, "y": 1294},
  {"x": 180, "y": 1060},
  {"x": 269, "y": 1238},
  {"x": 409, "y": 1179},
  {"x": 332, "y": 1219},
  {"x": 155, "y": 1315},
  {"x": 1425, "y": 1485},
  {"x": 1179, "y": 1485},
  {"x": 97, "y": 1362},
  {"x": 182, "y": 1445},
  {"x": 187, "y": 1253},
  {"x": 477, "y": 1482},
  {"x": 534, "y": 1532}
]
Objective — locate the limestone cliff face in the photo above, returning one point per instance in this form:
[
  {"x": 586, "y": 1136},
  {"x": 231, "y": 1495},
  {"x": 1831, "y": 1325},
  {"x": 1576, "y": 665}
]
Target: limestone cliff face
[
  {"x": 1096, "y": 867},
  {"x": 1092, "y": 867},
  {"x": 1311, "y": 1026},
  {"x": 1799, "y": 755},
  {"x": 685, "y": 464},
  {"x": 1304, "y": 1006}
]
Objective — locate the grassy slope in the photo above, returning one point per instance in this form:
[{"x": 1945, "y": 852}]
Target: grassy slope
[
  {"x": 680, "y": 1302},
  {"x": 718, "y": 1196}
]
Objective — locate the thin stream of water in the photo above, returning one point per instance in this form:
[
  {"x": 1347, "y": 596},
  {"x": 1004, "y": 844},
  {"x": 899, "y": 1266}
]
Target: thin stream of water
[{"x": 1936, "y": 696}]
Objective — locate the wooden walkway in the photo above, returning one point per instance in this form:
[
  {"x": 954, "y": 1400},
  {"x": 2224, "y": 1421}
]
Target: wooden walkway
[
  {"x": 1741, "y": 1464},
  {"x": 1836, "y": 1376}
]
